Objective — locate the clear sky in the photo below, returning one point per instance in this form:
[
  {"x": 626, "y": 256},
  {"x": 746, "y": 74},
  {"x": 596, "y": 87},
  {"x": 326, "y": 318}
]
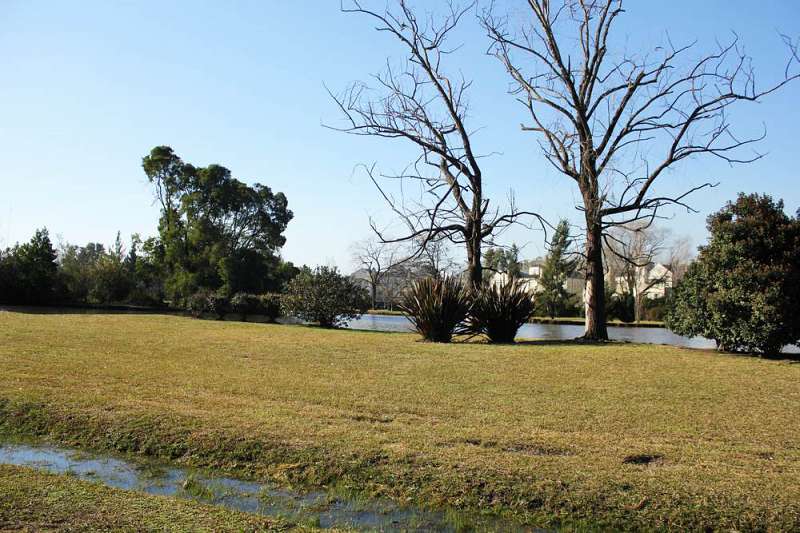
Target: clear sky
[{"x": 88, "y": 87}]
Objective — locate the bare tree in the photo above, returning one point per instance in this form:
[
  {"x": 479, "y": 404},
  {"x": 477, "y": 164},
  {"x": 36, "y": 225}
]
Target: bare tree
[
  {"x": 376, "y": 259},
  {"x": 679, "y": 257},
  {"x": 631, "y": 251},
  {"x": 614, "y": 123},
  {"x": 434, "y": 258},
  {"x": 423, "y": 105}
]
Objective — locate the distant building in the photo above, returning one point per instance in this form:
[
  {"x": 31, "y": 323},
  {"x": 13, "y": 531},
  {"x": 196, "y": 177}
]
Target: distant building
[
  {"x": 531, "y": 274},
  {"x": 653, "y": 281},
  {"x": 391, "y": 286}
]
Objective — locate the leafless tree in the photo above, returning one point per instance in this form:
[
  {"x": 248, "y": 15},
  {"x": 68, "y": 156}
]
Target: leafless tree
[
  {"x": 679, "y": 257},
  {"x": 422, "y": 104},
  {"x": 615, "y": 122},
  {"x": 376, "y": 259},
  {"x": 434, "y": 258},
  {"x": 630, "y": 252}
]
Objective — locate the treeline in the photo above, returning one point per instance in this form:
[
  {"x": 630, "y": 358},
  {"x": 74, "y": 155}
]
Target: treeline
[{"x": 216, "y": 235}]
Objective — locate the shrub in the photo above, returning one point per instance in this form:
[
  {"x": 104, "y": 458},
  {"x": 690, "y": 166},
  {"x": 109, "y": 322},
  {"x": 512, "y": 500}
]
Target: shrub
[
  {"x": 205, "y": 301},
  {"x": 620, "y": 307},
  {"x": 436, "y": 307},
  {"x": 743, "y": 289},
  {"x": 270, "y": 305},
  {"x": 499, "y": 311},
  {"x": 245, "y": 304},
  {"x": 324, "y": 296}
]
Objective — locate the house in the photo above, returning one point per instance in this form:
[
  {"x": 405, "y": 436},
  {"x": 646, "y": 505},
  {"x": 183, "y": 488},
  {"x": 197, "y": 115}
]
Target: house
[
  {"x": 393, "y": 282},
  {"x": 530, "y": 278},
  {"x": 653, "y": 281}
]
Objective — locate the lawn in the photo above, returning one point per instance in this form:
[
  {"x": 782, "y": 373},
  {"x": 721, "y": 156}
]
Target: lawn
[{"x": 607, "y": 436}]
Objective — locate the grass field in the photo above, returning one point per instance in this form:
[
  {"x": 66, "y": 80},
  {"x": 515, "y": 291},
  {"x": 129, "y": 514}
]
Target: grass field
[
  {"x": 36, "y": 501},
  {"x": 605, "y": 436}
]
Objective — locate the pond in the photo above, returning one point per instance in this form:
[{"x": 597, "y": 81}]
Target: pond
[
  {"x": 323, "y": 509},
  {"x": 648, "y": 335}
]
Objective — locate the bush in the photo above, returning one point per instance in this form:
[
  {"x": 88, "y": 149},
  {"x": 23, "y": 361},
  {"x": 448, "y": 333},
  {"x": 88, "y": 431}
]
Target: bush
[
  {"x": 436, "y": 307},
  {"x": 270, "y": 304},
  {"x": 655, "y": 309},
  {"x": 620, "y": 307},
  {"x": 324, "y": 296},
  {"x": 499, "y": 311},
  {"x": 743, "y": 289},
  {"x": 266, "y": 305},
  {"x": 207, "y": 302},
  {"x": 245, "y": 304}
]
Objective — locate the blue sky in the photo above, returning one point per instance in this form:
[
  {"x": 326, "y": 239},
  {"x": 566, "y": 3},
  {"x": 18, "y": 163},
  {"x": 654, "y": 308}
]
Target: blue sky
[{"x": 87, "y": 88}]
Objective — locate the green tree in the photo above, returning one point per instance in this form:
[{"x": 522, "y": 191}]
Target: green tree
[
  {"x": 326, "y": 297},
  {"x": 505, "y": 261},
  {"x": 216, "y": 232},
  {"x": 76, "y": 267},
  {"x": 30, "y": 272},
  {"x": 554, "y": 298},
  {"x": 743, "y": 289}
]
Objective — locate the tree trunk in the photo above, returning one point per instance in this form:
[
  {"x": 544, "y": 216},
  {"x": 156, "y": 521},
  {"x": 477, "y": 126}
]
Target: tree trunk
[
  {"x": 638, "y": 307},
  {"x": 474, "y": 267},
  {"x": 595, "y": 294},
  {"x": 374, "y": 293}
]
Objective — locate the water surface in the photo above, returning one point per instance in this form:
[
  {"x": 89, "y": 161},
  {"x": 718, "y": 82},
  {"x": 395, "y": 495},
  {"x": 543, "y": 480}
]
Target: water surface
[
  {"x": 320, "y": 508},
  {"x": 647, "y": 335}
]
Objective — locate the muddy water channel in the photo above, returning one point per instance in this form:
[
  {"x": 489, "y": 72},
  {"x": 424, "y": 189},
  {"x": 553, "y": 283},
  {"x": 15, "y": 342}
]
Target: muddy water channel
[{"x": 319, "y": 508}]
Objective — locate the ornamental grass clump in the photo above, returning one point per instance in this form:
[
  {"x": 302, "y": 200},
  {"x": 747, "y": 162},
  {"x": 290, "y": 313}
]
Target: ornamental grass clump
[
  {"x": 437, "y": 307},
  {"x": 498, "y": 311}
]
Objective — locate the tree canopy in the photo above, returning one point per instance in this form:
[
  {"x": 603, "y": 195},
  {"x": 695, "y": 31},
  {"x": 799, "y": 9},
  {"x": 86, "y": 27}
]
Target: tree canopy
[{"x": 216, "y": 232}]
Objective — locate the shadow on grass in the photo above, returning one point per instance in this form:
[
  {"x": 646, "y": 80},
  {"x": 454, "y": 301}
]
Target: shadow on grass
[{"x": 87, "y": 309}]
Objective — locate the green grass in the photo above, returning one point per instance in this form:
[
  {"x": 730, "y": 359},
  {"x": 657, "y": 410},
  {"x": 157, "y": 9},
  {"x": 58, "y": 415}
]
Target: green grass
[
  {"x": 387, "y": 312},
  {"x": 36, "y": 501},
  {"x": 547, "y": 433}
]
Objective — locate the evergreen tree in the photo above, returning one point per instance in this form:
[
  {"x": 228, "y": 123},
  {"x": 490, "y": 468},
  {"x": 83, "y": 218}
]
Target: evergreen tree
[
  {"x": 498, "y": 260},
  {"x": 554, "y": 299},
  {"x": 30, "y": 272}
]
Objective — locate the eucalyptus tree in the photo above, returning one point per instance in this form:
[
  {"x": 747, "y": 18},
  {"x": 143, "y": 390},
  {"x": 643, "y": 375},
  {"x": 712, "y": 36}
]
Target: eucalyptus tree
[{"x": 215, "y": 230}]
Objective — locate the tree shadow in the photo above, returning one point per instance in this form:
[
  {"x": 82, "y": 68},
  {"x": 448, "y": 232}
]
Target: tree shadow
[{"x": 88, "y": 310}]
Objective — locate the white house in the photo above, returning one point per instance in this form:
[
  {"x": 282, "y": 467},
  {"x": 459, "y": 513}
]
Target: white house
[
  {"x": 653, "y": 281},
  {"x": 530, "y": 278}
]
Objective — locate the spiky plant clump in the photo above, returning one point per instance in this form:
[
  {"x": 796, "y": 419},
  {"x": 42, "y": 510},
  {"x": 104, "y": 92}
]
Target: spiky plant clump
[
  {"x": 499, "y": 311},
  {"x": 437, "y": 306}
]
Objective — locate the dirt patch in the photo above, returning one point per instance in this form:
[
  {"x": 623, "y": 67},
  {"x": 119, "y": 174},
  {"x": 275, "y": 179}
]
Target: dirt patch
[
  {"x": 643, "y": 459},
  {"x": 525, "y": 448},
  {"x": 372, "y": 419}
]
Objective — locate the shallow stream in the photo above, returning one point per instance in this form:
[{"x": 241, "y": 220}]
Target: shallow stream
[{"x": 317, "y": 508}]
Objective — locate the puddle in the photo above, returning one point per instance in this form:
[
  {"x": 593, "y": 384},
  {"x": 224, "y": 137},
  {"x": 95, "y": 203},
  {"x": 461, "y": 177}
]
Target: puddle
[{"x": 318, "y": 508}]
